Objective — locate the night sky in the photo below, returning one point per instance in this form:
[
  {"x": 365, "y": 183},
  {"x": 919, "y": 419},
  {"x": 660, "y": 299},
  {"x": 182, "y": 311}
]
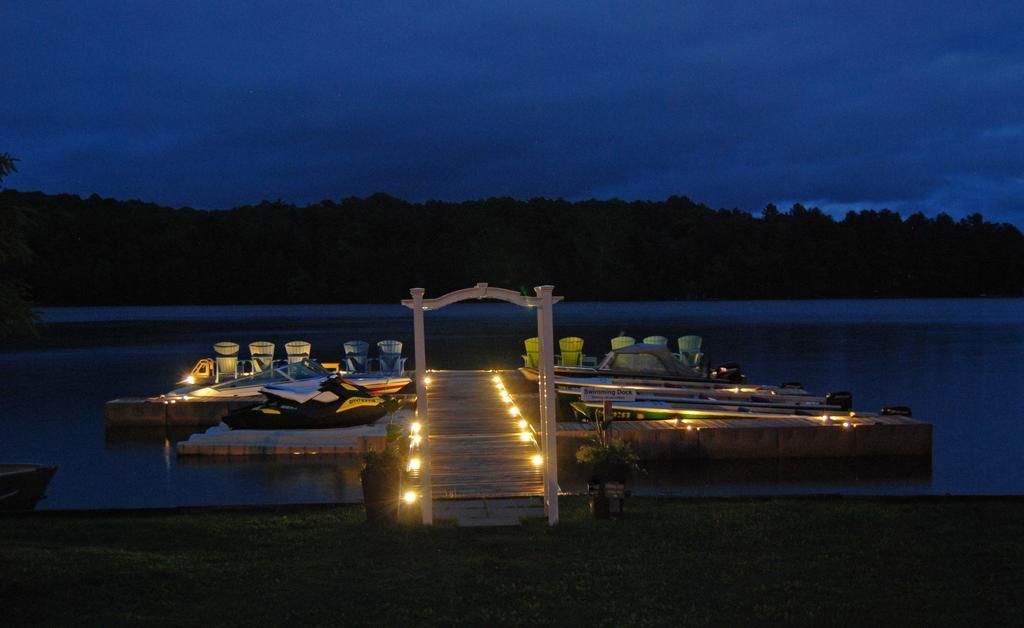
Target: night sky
[{"x": 214, "y": 104}]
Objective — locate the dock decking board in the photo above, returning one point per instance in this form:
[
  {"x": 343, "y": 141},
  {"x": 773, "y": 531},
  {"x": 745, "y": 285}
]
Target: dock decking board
[{"x": 475, "y": 448}]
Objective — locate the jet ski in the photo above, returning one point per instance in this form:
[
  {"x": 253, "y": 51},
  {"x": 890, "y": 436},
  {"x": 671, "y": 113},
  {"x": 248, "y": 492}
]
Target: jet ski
[{"x": 335, "y": 402}]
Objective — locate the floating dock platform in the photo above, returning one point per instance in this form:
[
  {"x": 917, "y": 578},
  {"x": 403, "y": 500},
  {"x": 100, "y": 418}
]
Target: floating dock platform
[
  {"x": 222, "y": 441},
  {"x": 156, "y": 412},
  {"x": 733, "y": 439},
  {"x": 196, "y": 412}
]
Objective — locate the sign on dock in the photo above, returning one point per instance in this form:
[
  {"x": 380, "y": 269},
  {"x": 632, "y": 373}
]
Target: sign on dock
[{"x": 602, "y": 395}]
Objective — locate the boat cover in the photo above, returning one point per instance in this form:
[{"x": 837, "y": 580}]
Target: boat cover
[{"x": 647, "y": 359}]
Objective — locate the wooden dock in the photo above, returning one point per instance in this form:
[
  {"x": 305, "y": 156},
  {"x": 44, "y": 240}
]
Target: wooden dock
[
  {"x": 866, "y": 436},
  {"x": 476, "y": 446}
]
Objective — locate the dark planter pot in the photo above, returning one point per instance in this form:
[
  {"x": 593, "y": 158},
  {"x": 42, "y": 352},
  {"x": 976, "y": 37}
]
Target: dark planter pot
[
  {"x": 607, "y": 499},
  {"x": 609, "y": 472},
  {"x": 380, "y": 494}
]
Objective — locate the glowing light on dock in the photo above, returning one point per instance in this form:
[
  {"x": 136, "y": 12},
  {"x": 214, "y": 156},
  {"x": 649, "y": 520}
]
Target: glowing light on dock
[
  {"x": 427, "y": 380},
  {"x": 416, "y": 439},
  {"x": 525, "y": 434},
  {"x": 190, "y": 379},
  {"x": 414, "y": 464},
  {"x": 415, "y": 427},
  {"x": 409, "y": 497}
]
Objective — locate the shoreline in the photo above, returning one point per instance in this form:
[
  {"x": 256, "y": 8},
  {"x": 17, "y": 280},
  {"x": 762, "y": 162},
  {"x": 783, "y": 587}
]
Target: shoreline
[{"x": 158, "y": 511}]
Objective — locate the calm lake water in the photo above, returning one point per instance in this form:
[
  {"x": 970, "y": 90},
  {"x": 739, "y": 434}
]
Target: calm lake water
[{"x": 957, "y": 363}]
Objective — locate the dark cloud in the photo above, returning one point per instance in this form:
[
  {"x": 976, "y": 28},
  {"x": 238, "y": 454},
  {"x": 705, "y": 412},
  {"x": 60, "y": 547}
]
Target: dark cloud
[{"x": 913, "y": 106}]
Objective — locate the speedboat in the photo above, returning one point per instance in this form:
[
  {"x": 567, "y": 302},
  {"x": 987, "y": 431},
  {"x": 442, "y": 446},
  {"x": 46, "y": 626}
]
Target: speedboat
[
  {"x": 306, "y": 371},
  {"x": 333, "y": 402},
  {"x": 23, "y": 485},
  {"x": 646, "y": 362},
  {"x": 725, "y": 400},
  {"x": 716, "y": 409},
  {"x": 664, "y": 390},
  {"x": 662, "y": 386},
  {"x": 699, "y": 408}
]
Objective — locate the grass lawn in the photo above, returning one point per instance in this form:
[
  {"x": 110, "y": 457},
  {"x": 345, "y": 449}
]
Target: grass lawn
[{"x": 672, "y": 562}]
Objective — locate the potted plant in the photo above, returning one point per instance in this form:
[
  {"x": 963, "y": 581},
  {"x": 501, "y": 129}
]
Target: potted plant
[
  {"x": 382, "y": 477},
  {"x": 611, "y": 462}
]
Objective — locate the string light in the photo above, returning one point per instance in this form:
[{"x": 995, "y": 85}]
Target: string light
[
  {"x": 409, "y": 497},
  {"x": 414, "y": 464},
  {"x": 524, "y": 435},
  {"x": 415, "y": 427}
]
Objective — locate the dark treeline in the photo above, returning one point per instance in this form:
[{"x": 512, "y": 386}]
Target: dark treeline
[{"x": 98, "y": 251}]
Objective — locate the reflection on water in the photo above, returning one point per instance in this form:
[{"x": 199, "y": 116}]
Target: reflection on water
[{"x": 956, "y": 362}]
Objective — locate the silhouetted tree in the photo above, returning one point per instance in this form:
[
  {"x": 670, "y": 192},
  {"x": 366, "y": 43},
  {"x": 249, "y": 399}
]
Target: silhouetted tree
[
  {"x": 102, "y": 251},
  {"x": 16, "y": 316}
]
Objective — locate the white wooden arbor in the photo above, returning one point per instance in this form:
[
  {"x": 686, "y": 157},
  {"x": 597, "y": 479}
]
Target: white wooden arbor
[{"x": 544, "y": 301}]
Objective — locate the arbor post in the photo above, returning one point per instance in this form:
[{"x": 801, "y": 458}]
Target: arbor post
[
  {"x": 546, "y": 382},
  {"x": 419, "y": 343}
]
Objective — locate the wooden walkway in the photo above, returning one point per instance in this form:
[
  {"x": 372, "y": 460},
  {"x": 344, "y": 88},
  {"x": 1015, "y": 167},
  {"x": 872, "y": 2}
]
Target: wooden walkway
[{"x": 476, "y": 446}]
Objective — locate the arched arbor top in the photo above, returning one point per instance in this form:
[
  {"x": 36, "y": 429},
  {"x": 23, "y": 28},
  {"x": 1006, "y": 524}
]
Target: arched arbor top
[{"x": 478, "y": 292}]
